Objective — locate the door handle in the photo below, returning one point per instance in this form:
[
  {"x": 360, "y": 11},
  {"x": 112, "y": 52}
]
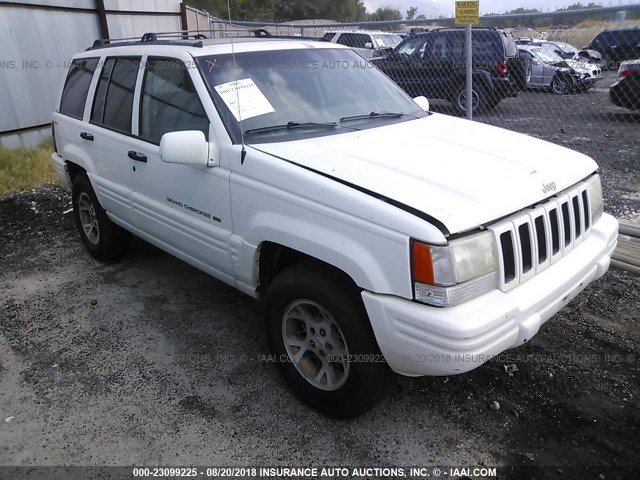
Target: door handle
[
  {"x": 138, "y": 157},
  {"x": 86, "y": 136}
]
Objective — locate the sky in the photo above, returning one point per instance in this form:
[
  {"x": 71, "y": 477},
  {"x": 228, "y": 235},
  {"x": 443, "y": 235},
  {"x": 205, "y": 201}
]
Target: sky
[{"x": 434, "y": 8}]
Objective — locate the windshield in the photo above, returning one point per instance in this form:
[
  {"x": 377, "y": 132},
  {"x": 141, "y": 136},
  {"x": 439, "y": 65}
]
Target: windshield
[
  {"x": 565, "y": 47},
  {"x": 413, "y": 46},
  {"x": 301, "y": 88},
  {"x": 387, "y": 41}
]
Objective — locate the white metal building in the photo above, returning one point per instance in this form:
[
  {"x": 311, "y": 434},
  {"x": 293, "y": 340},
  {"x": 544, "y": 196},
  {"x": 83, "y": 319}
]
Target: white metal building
[{"x": 37, "y": 39}]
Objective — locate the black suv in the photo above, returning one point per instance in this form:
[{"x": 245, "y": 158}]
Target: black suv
[
  {"x": 432, "y": 64},
  {"x": 617, "y": 45}
]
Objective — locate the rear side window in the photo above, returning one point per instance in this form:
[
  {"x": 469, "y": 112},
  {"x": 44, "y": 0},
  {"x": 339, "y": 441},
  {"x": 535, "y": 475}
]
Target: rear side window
[
  {"x": 76, "y": 87},
  {"x": 169, "y": 101},
  {"x": 354, "y": 40},
  {"x": 113, "y": 103}
]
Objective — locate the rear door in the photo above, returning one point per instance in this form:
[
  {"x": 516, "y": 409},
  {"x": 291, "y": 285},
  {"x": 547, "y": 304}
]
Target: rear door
[
  {"x": 69, "y": 120},
  {"x": 108, "y": 133},
  {"x": 443, "y": 65}
]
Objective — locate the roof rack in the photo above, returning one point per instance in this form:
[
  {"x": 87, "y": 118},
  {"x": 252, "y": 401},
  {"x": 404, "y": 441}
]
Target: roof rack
[{"x": 191, "y": 38}]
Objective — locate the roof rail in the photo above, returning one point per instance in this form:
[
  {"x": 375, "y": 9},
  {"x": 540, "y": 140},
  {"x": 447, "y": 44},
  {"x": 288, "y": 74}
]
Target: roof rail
[
  {"x": 190, "y": 38},
  {"x": 179, "y": 37}
]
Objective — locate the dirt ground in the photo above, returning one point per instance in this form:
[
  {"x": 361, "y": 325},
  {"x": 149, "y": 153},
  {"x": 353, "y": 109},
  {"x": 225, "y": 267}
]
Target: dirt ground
[{"x": 150, "y": 361}]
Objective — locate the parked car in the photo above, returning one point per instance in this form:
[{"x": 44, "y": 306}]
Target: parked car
[
  {"x": 432, "y": 64},
  {"x": 368, "y": 44},
  {"x": 569, "y": 52},
  {"x": 523, "y": 40},
  {"x": 617, "y": 45},
  {"x": 381, "y": 237},
  {"x": 625, "y": 92},
  {"x": 550, "y": 71}
]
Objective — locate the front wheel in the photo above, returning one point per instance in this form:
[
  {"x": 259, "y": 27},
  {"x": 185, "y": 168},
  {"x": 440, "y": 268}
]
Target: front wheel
[
  {"x": 560, "y": 85},
  {"x": 322, "y": 340}
]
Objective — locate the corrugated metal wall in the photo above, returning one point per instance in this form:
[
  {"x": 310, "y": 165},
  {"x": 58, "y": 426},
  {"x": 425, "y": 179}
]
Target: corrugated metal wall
[{"x": 37, "y": 39}]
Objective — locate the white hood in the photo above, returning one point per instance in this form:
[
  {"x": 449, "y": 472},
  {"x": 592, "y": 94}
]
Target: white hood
[{"x": 462, "y": 173}]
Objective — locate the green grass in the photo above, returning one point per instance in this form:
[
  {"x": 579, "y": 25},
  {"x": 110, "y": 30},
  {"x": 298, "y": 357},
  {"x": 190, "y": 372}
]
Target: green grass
[{"x": 24, "y": 168}]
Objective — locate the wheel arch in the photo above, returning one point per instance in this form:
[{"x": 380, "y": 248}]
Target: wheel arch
[
  {"x": 273, "y": 258},
  {"x": 74, "y": 170}
]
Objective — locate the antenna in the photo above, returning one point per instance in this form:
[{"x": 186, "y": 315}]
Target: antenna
[{"x": 243, "y": 152}]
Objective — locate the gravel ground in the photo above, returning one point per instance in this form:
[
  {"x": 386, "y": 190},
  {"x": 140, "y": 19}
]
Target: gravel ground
[{"x": 150, "y": 361}]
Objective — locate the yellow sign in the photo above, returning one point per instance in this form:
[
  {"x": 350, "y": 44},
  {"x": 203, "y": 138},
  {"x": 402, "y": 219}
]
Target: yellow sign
[{"x": 468, "y": 13}]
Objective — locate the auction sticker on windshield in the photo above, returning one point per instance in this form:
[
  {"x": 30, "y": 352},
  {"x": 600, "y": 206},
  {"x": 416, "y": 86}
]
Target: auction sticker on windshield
[{"x": 244, "y": 99}]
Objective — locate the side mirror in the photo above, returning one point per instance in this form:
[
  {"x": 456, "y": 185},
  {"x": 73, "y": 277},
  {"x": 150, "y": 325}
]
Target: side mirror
[
  {"x": 368, "y": 45},
  {"x": 422, "y": 102},
  {"x": 188, "y": 147}
]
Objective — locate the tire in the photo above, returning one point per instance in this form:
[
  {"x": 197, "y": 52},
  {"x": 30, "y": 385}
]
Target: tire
[
  {"x": 313, "y": 309},
  {"x": 479, "y": 101},
  {"x": 102, "y": 238},
  {"x": 527, "y": 76},
  {"x": 560, "y": 85}
]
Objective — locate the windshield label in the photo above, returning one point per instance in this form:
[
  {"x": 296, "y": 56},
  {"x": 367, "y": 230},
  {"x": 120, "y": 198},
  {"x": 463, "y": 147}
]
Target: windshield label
[{"x": 244, "y": 99}]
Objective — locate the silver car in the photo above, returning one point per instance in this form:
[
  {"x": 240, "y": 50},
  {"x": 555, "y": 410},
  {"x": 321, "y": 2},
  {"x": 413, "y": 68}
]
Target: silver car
[{"x": 545, "y": 69}]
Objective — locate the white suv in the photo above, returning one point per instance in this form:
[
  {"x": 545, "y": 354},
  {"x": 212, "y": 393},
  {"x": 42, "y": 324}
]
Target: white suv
[
  {"x": 382, "y": 237},
  {"x": 368, "y": 43}
]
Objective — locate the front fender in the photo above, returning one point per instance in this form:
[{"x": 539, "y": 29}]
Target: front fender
[{"x": 366, "y": 260}]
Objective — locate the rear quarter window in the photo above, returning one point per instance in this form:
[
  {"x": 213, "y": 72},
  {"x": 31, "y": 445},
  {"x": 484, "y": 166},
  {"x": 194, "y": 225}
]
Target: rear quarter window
[
  {"x": 76, "y": 86},
  {"x": 510, "y": 47}
]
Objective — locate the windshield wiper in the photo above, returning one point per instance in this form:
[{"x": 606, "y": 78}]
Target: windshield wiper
[
  {"x": 291, "y": 125},
  {"x": 367, "y": 116}
]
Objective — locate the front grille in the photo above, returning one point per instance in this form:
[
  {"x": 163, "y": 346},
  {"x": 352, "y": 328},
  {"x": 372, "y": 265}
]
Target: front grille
[{"x": 532, "y": 240}]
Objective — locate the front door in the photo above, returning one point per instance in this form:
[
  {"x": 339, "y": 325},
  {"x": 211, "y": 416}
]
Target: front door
[{"x": 184, "y": 209}]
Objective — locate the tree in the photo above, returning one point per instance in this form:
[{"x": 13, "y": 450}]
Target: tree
[
  {"x": 525, "y": 10},
  {"x": 578, "y": 6},
  {"x": 386, "y": 13},
  {"x": 411, "y": 13}
]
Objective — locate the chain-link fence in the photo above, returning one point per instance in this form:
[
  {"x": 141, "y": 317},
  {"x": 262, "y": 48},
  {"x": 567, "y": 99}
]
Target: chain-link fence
[{"x": 585, "y": 73}]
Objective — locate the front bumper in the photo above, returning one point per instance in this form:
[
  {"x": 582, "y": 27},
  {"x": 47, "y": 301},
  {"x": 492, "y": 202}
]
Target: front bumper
[
  {"x": 588, "y": 81},
  {"x": 417, "y": 339}
]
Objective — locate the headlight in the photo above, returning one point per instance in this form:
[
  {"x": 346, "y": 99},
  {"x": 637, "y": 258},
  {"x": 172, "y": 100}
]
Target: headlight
[
  {"x": 451, "y": 274},
  {"x": 594, "y": 188}
]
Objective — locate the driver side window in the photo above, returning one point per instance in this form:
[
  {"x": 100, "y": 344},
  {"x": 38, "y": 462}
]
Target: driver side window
[{"x": 169, "y": 101}]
